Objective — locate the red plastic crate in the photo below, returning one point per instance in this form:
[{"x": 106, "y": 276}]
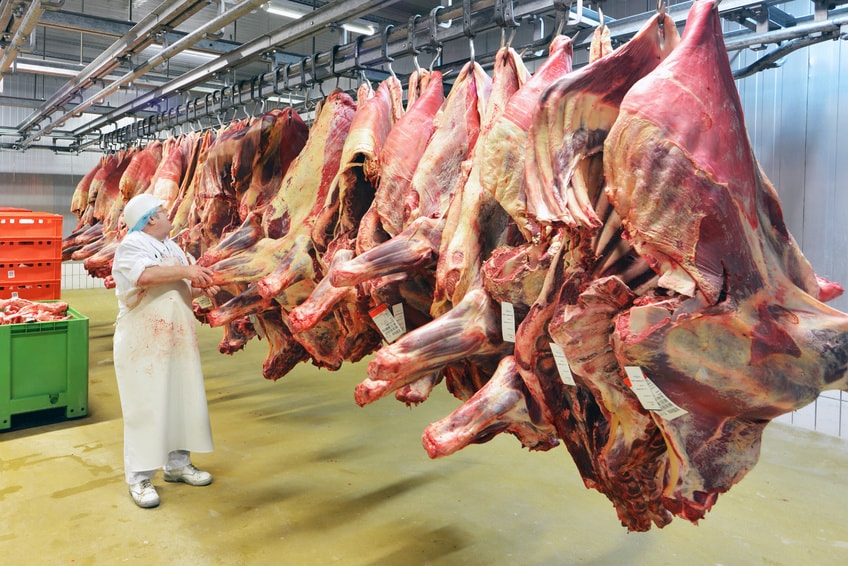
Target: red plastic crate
[
  {"x": 29, "y": 249},
  {"x": 30, "y": 271},
  {"x": 28, "y": 224},
  {"x": 45, "y": 291}
]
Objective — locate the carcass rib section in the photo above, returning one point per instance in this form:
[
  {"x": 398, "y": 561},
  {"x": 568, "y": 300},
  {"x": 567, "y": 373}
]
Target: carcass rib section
[
  {"x": 502, "y": 163},
  {"x": 401, "y": 153}
]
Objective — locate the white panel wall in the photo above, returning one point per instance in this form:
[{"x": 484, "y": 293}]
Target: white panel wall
[{"x": 797, "y": 116}]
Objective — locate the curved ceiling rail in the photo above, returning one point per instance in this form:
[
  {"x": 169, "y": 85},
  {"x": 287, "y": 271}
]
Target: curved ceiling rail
[
  {"x": 366, "y": 52},
  {"x": 761, "y": 23},
  {"x": 346, "y": 59},
  {"x": 213, "y": 25},
  {"x": 168, "y": 14},
  {"x": 25, "y": 29},
  {"x": 303, "y": 28}
]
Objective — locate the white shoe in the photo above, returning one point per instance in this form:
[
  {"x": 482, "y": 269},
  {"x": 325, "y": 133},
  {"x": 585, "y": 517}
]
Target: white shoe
[
  {"x": 188, "y": 474},
  {"x": 144, "y": 494}
]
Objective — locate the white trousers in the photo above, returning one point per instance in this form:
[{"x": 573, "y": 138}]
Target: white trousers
[{"x": 176, "y": 459}]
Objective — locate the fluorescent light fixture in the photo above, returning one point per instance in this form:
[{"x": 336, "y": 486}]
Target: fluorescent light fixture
[
  {"x": 293, "y": 14},
  {"x": 200, "y": 54},
  {"x": 285, "y": 12},
  {"x": 55, "y": 71},
  {"x": 157, "y": 49},
  {"x": 353, "y": 28}
]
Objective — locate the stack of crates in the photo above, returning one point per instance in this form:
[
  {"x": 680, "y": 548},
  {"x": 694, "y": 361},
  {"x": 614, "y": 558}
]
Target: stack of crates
[
  {"x": 43, "y": 365},
  {"x": 30, "y": 255}
]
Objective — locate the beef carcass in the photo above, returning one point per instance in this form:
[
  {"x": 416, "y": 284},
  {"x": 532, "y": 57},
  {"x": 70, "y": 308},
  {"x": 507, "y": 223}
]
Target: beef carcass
[
  {"x": 335, "y": 229},
  {"x": 282, "y": 266},
  {"x": 292, "y": 211},
  {"x": 457, "y": 127},
  {"x": 176, "y": 168},
  {"x": 610, "y": 437},
  {"x": 439, "y": 173},
  {"x": 79, "y": 200},
  {"x": 472, "y": 328},
  {"x": 352, "y": 191},
  {"x": 140, "y": 170},
  {"x": 742, "y": 337}
]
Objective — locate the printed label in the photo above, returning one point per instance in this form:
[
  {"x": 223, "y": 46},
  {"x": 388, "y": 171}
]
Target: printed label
[
  {"x": 650, "y": 396},
  {"x": 668, "y": 410},
  {"x": 385, "y": 321},
  {"x": 639, "y": 385},
  {"x": 11, "y": 274},
  {"x": 508, "y": 322},
  {"x": 562, "y": 364},
  {"x": 397, "y": 312}
]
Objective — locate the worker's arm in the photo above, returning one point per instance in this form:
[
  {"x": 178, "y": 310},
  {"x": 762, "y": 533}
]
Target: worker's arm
[{"x": 161, "y": 274}]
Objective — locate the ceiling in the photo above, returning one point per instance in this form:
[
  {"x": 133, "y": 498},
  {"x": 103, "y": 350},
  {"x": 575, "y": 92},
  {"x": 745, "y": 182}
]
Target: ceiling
[{"x": 80, "y": 73}]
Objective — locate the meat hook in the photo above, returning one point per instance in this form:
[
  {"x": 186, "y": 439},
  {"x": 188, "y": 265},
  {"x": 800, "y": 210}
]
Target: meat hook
[
  {"x": 410, "y": 40},
  {"x": 357, "y": 46},
  {"x": 385, "y": 49},
  {"x": 434, "y": 28},
  {"x": 466, "y": 27},
  {"x": 562, "y": 8},
  {"x": 505, "y": 18},
  {"x": 315, "y": 76},
  {"x": 661, "y": 7},
  {"x": 435, "y": 58},
  {"x": 333, "y": 53}
]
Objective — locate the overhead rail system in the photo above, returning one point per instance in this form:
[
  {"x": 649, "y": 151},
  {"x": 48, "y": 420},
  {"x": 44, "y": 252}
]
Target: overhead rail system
[{"x": 763, "y": 26}]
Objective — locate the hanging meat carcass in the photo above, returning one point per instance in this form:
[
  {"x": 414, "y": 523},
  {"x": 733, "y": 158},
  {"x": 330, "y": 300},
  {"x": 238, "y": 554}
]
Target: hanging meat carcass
[
  {"x": 334, "y": 232},
  {"x": 606, "y": 438},
  {"x": 281, "y": 265},
  {"x": 436, "y": 178},
  {"x": 740, "y": 336},
  {"x": 276, "y": 138}
]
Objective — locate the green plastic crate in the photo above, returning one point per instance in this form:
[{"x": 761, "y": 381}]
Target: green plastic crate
[{"x": 44, "y": 365}]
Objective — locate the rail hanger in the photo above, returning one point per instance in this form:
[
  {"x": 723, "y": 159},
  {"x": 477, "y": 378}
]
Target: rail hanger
[{"x": 364, "y": 57}]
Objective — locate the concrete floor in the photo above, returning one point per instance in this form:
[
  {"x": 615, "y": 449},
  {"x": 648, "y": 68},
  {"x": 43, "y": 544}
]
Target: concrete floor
[{"x": 303, "y": 476}]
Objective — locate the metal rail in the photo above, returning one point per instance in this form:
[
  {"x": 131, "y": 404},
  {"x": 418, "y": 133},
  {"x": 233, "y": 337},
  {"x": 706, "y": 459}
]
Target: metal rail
[{"x": 423, "y": 32}]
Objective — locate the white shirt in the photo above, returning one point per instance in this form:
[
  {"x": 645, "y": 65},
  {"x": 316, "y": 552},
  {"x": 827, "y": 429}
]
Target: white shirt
[{"x": 136, "y": 252}]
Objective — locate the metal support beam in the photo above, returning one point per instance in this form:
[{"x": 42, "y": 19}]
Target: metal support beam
[
  {"x": 213, "y": 25},
  {"x": 169, "y": 13},
  {"x": 298, "y": 30}
]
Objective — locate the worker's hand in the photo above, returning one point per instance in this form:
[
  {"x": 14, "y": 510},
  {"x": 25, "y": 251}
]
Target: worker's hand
[
  {"x": 199, "y": 276},
  {"x": 210, "y": 291}
]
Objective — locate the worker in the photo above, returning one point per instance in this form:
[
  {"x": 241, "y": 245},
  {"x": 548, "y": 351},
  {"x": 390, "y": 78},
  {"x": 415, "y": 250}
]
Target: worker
[{"x": 157, "y": 362}]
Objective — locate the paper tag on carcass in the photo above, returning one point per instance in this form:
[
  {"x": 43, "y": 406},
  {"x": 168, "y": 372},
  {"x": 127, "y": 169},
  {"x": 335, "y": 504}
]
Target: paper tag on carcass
[
  {"x": 651, "y": 397},
  {"x": 639, "y": 385},
  {"x": 397, "y": 313},
  {"x": 385, "y": 321},
  {"x": 10, "y": 274},
  {"x": 508, "y": 322},
  {"x": 668, "y": 410},
  {"x": 562, "y": 364},
  {"x": 14, "y": 294}
]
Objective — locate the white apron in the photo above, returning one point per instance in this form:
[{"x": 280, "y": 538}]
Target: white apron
[{"x": 157, "y": 365}]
